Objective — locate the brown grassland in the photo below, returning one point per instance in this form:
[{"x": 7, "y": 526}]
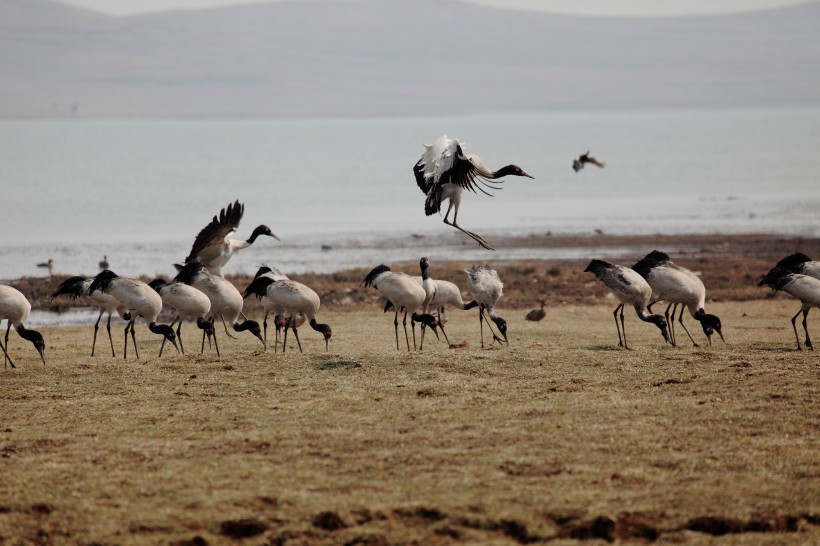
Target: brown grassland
[{"x": 558, "y": 438}]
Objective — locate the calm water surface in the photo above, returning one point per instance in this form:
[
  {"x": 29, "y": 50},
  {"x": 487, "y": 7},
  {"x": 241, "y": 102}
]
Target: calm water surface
[{"x": 139, "y": 191}]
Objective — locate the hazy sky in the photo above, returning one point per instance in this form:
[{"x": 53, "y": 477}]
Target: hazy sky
[{"x": 581, "y": 7}]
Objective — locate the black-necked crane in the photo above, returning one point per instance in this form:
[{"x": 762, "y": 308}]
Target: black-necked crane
[
  {"x": 213, "y": 246},
  {"x": 803, "y": 287},
  {"x": 139, "y": 299},
  {"x": 292, "y": 298},
  {"x": 486, "y": 288},
  {"x": 225, "y": 298},
  {"x": 403, "y": 294},
  {"x": 444, "y": 171},
  {"x": 799, "y": 263},
  {"x": 430, "y": 288},
  {"x": 447, "y": 293},
  {"x": 677, "y": 285},
  {"x": 77, "y": 286},
  {"x": 579, "y": 162},
  {"x": 629, "y": 287},
  {"x": 15, "y": 308},
  {"x": 537, "y": 314},
  {"x": 268, "y": 306},
  {"x": 188, "y": 303}
]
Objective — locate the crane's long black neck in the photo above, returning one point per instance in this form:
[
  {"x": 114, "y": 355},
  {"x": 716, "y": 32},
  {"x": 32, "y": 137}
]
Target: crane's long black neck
[
  {"x": 468, "y": 306},
  {"x": 162, "y": 329},
  {"x": 504, "y": 171},
  {"x": 323, "y": 328},
  {"x": 29, "y": 335}
]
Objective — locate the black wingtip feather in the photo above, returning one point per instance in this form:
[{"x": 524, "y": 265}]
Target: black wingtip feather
[
  {"x": 72, "y": 287},
  {"x": 258, "y": 287},
  {"x": 188, "y": 272},
  {"x": 598, "y": 267},
  {"x": 790, "y": 262}
]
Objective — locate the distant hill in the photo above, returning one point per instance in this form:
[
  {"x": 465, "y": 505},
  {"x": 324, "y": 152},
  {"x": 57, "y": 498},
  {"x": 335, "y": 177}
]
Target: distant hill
[{"x": 408, "y": 57}]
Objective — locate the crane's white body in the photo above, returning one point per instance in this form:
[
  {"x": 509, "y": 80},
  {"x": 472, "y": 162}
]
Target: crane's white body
[
  {"x": 107, "y": 303},
  {"x": 803, "y": 287},
  {"x": 629, "y": 287},
  {"x": 187, "y": 302},
  {"x": 14, "y": 307},
  {"x": 267, "y": 304},
  {"x": 137, "y": 297},
  {"x": 289, "y": 297},
  {"x": 485, "y": 286},
  {"x": 446, "y": 293},
  {"x": 224, "y": 297},
  {"x": 675, "y": 284},
  {"x": 401, "y": 290}
]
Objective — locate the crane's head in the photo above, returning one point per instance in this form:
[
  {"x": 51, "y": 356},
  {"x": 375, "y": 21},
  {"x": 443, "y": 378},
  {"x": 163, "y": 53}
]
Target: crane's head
[
  {"x": 261, "y": 230},
  {"x": 710, "y": 325},
  {"x": 660, "y": 322},
  {"x": 511, "y": 170},
  {"x": 501, "y": 324}
]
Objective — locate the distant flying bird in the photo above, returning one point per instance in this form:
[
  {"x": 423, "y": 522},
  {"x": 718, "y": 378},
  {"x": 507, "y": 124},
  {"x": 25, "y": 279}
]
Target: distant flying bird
[
  {"x": 74, "y": 287},
  {"x": 213, "y": 246},
  {"x": 802, "y": 287},
  {"x": 139, "y": 299},
  {"x": 537, "y": 314},
  {"x": 629, "y": 287},
  {"x": 579, "y": 162},
  {"x": 188, "y": 303},
  {"x": 15, "y": 308},
  {"x": 293, "y": 298},
  {"x": 104, "y": 263},
  {"x": 47, "y": 265},
  {"x": 403, "y": 294},
  {"x": 443, "y": 173},
  {"x": 677, "y": 285},
  {"x": 486, "y": 288}
]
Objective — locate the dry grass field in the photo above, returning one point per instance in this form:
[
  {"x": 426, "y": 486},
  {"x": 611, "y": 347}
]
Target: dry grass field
[{"x": 557, "y": 438}]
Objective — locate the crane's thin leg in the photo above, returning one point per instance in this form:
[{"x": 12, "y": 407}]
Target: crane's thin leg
[
  {"x": 227, "y": 333},
  {"x": 110, "y": 339},
  {"x": 680, "y": 319},
  {"x": 179, "y": 334},
  {"x": 8, "y": 329},
  {"x": 295, "y": 333},
  {"x": 265, "y": 330},
  {"x": 477, "y": 238},
  {"x": 441, "y": 325},
  {"x": 481, "y": 324},
  {"x": 617, "y": 327},
  {"x": 406, "y": 338},
  {"x": 396, "y": 327},
  {"x": 285, "y": 339},
  {"x": 162, "y": 345},
  {"x": 806, "y": 329},
  {"x": 202, "y": 350},
  {"x": 125, "y": 347},
  {"x": 794, "y": 318},
  {"x": 413, "y": 327},
  {"x": 6, "y": 357},
  {"x": 623, "y": 327},
  {"x": 134, "y": 339},
  {"x": 671, "y": 323},
  {"x": 97, "y": 327},
  {"x": 216, "y": 345}
]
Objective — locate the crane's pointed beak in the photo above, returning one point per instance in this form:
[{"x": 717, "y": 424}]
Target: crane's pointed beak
[
  {"x": 42, "y": 357},
  {"x": 275, "y": 236},
  {"x": 528, "y": 176}
]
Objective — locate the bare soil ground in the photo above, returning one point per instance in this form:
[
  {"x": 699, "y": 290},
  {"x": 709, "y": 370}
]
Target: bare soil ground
[{"x": 558, "y": 438}]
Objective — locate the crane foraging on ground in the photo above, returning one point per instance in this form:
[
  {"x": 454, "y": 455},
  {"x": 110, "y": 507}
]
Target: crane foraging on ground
[
  {"x": 444, "y": 171},
  {"x": 802, "y": 287},
  {"x": 403, "y": 294},
  {"x": 486, "y": 288},
  {"x": 15, "y": 308},
  {"x": 677, "y": 285},
  {"x": 139, "y": 299},
  {"x": 77, "y": 286},
  {"x": 189, "y": 304},
  {"x": 293, "y": 298},
  {"x": 629, "y": 287}
]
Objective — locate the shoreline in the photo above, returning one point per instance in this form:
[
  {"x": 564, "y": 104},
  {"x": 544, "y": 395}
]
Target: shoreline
[{"x": 729, "y": 265}]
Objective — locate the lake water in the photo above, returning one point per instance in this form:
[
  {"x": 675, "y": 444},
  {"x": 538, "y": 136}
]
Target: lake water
[{"x": 138, "y": 191}]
